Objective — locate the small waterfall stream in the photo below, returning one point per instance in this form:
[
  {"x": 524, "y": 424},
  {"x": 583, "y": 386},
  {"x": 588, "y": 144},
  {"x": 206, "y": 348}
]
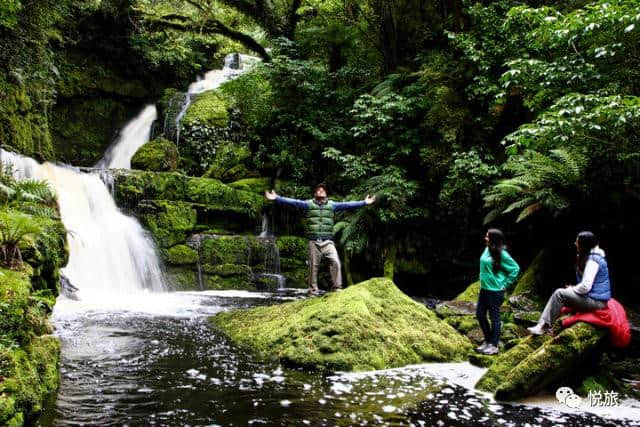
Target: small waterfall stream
[{"x": 133, "y": 136}]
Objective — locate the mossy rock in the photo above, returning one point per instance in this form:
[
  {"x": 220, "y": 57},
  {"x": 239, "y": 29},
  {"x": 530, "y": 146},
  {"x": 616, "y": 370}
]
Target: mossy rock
[
  {"x": 538, "y": 362},
  {"x": 132, "y": 187},
  {"x": 159, "y": 155},
  {"x": 169, "y": 222},
  {"x": 537, "y": 282},
  {"x": 470, "y": 294},
  {"x": 28, "y": 361},
  {"x": 234, "y": 282},
  {"x": 181, "y": 254},
  {"x": 252, "y": 185},
  {"x": 208, "y": 108},
  {"x": 83, "y": 128},
  {"x": 232, "y": 161},
  {"x": 183, "y": 278},
  {"x": 372, "y": 325},
  {"x": 228, "y": 270}
]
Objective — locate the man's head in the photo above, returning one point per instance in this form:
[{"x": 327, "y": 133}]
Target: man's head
[{"x": 320, "y": 192}]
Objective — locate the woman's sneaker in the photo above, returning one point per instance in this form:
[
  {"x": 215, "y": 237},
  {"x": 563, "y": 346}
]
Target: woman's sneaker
[
  {"x": 490, "y": 349},
  {"x": 482, "y": 347},
  {"x": 539, "y": 329}
]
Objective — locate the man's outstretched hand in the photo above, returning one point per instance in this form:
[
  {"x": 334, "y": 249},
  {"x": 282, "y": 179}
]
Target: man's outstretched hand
[
  {"x": 369, "y": 199},
  {"x": 270, "y": 195}
]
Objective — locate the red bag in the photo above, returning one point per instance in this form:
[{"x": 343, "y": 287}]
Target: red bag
[{"x": 613, "y": 317}]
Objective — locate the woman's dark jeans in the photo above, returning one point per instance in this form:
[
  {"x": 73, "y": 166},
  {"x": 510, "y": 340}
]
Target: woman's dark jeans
[{"x": 490, "y": 301}]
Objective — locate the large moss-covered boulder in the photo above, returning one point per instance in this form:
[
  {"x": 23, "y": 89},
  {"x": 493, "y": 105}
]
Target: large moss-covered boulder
[
  {"x": 371, "y": 325},
  {"x": 208, "y": 108},
  {"x": 159, "y": 155},
  {"x": 541, "y": 361}
]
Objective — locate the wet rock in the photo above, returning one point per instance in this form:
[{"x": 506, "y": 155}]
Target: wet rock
[
  {"x": 541, "y": 361},
  {"x": 456, "y": 308},
  {"x": 371, "y": 325},
  {"x": 67, "y": 289}
]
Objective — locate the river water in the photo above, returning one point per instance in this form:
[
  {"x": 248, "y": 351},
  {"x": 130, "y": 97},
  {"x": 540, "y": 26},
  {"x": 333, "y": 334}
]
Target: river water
[{"x": 153, "y": 359}]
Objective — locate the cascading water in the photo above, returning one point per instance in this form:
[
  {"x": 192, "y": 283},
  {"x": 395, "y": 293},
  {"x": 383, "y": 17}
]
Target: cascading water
[
  {"x": 109, "y": 251},
  {"x": 132, "y": 137},
  {"x": 234, "y": 65}
]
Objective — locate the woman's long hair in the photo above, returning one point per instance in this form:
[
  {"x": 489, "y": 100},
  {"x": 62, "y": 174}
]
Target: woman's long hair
[
  {"x": 586, "y": 242},
  {"x": 495, "y": 245}
]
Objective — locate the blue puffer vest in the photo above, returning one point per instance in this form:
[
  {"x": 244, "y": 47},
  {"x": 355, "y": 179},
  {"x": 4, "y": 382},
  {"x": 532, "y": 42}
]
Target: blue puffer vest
[{"x": 601, "y": 289}]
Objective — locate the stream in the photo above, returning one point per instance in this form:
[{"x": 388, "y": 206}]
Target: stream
[{"x": 154, "y": 360}]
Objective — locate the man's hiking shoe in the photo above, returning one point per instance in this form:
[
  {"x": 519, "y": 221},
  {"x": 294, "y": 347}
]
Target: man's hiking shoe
[
  {"x": 490, "y": 349},
  {"x": 482, "y": 347}
]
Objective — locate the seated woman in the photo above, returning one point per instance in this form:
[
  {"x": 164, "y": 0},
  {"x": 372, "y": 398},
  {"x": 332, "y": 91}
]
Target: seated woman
[{"x": 592, "y": 291}]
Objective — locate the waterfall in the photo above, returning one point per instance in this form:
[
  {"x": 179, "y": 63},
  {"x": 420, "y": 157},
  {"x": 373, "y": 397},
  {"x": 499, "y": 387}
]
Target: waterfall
[
  {"x": 110, "y": 253},
  {"x": 234, "y": 65},
  {"x": 132, "y": 136}
]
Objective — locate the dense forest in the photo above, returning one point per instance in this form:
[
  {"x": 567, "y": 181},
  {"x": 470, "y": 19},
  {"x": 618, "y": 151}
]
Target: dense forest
[{"x": 457, "y": 114}]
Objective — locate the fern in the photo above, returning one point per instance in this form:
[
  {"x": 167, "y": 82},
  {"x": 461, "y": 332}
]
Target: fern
[
  {"x": 15, "y": 228},
  {"x": 539, "y": 181}
]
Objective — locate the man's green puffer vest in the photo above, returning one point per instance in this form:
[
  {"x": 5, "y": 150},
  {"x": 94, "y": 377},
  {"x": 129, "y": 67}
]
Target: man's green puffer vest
[{"x": 320, "y": 220}]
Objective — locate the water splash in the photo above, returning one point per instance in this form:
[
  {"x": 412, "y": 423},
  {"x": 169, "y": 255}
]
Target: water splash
[{"x": 110, "y": 253}]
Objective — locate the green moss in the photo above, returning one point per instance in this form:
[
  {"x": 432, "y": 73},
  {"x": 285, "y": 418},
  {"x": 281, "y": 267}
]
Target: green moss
[
  {"x": 131, "y": 187},
  {"x": 252, "y": 185},
  {"x": 537, "y": 362},
  {"x": 228, "y": 270},
  {"x": 471, "y": 293},
  {"x": 231, "y": 163},
  {"x": 181, "y": 254},
  {"x": 182, "y": 278},
  {"x": 292, "y": 247},
  {"x": 208, "y": 108},
  {"x": 28, "y": 362},
  {"x": 481, "y": 360},
  {"x": 169, "y": 222},
  {"x": 83, "y": 128},
  {"x": 372, "y": 325},
  {"x": 235, "y": 282},
  {"x": 158, "y": 155},
  {"x": 538, "y": 279}
]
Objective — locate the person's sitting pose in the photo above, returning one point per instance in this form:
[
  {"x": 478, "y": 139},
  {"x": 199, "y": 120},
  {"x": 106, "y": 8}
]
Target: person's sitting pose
[
  {"x": 593, "y": 290},
  {"x": 320, "y": 211}
]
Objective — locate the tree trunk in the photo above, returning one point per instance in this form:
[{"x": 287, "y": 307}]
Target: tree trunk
[
  {"x": 390, "y": 261},
  {"x": 347, "y": 268}
]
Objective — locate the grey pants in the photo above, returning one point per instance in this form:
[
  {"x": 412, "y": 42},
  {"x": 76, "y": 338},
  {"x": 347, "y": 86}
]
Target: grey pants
[
  {"x": 567, "y": 297},
  {"x": 318, "y": 250}
]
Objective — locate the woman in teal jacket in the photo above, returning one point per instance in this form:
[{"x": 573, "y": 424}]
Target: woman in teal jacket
[{"x": 498, "y": 271}]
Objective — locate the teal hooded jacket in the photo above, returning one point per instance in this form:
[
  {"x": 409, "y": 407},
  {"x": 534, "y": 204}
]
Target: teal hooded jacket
[{"x": 504, "y": 278}]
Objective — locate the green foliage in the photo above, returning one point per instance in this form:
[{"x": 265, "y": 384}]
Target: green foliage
[
  {"x": 15, "y": 228},
  {"x": 9, "y": 13},
  {"x": 551, "y": 182}
]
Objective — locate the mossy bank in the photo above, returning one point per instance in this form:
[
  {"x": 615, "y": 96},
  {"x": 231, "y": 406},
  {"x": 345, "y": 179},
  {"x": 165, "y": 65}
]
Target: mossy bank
[
  {"x": 371, "y": 325},
  {"x": 29, "y": 354}
]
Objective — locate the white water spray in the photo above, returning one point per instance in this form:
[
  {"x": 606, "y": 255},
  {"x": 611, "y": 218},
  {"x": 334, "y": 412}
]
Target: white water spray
[
  {"x": 135, "y": 134},
  {"x": 110, "y": 253}
]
